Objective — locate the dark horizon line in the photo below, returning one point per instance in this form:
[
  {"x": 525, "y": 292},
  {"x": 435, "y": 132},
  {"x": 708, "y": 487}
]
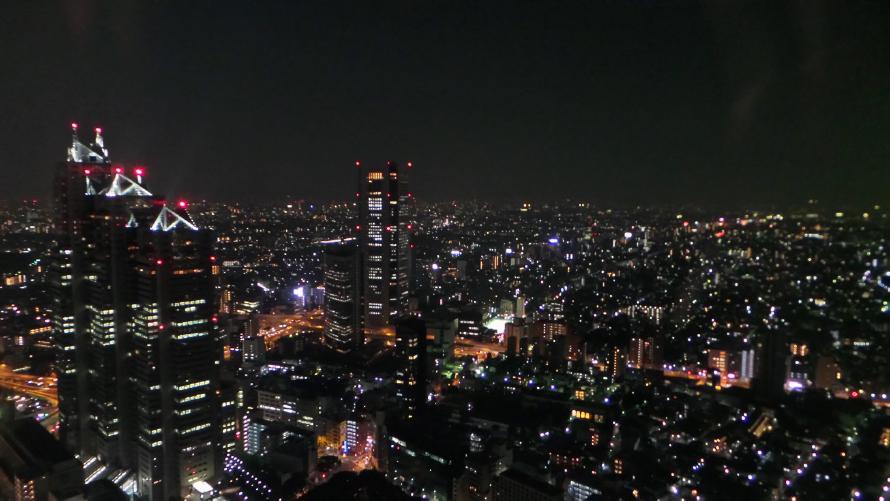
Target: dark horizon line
[{"x": 539, "y": 203}]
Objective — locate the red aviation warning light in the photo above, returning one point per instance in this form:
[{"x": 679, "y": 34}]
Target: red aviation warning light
[
  {"x": 159, "y": 262},
  {"x": 183, "y": 204},
  {"x": 74, "y": 126},
  {"x": 118, "y": 170},
  {"x": 98, "y": 130},
  {"x": 139, "y": 171},
  {"x": 86, "y": 172},
  {"x": 410, "y": 164}
]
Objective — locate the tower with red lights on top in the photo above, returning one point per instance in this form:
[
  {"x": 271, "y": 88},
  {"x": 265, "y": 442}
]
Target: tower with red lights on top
[
  {"x": 86, "y": 166},
  {"x": 138, "y": 355},
  {"x": 384, "y": 235}
]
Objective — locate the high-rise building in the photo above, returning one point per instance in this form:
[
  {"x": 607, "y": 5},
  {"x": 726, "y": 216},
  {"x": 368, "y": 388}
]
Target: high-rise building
[
  {"x": 342, "y": 300},
  {"x": 644, "y": 353},
  {"x": 772, "y": 365},
  {"x": 469, "y": 323},
  {"x": 34, "y": 466},
  {"x": 552, "y": 322},
  {"x": 652, "y": 313},
  {"x": 384, "y": 227},
  {"x": 718, "y": 360},
  {"x": 410, "y": 375},
  {"x": 176, "y": 356},
  {"x": 520, "y": 306},
  {"x": 617, "y": 362},
  {"x": 253, "y": 351},
  {"x": 734, "y": 364},
  {"x": 137, "y": 342},
  {"x": 72, "y": 182},
  {"x": 828, "y": 373}
]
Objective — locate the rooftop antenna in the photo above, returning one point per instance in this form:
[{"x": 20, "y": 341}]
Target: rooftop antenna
[
  {"x": 73, "y": 155},
  {"x": 100, "y": 142}
]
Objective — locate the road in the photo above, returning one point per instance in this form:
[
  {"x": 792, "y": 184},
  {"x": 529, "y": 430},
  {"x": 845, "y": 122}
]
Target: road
[
  {"x": 275, "y": 327},
  {"x": 43, "y": 388},
  {"x": 465, "y": 347}
]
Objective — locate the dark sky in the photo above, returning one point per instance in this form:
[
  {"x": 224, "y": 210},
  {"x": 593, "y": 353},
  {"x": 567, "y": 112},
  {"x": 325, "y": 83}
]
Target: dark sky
[{"x": 633, "y": 101}]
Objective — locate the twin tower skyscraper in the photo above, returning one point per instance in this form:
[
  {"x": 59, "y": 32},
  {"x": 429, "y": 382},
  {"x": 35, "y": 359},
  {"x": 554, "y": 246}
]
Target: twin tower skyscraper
[
  {"x": 138, "y": 351},
  {"x": 367, "y": 285},
  {"x": 138, "y": 348}
]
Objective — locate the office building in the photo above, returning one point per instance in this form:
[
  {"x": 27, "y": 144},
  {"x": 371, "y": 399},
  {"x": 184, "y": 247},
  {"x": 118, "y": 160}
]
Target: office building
[
  {"x": 384, "y": 234},
  {"x": 469, "y": 323},
  {"x": 34, "y": 466},
  {"x": 342, "y": 301},
  {"x": 137, "y": 342},
  {"x": 410, "y": 375},
  {"x": 644, "y": 353},
  {"x": 514, "y": 485},
  {"x": 616, "y": 363},
  {"x": 73, "y": 180},
  {"x": 253, "y": 351},
  {"x": 772, "y": 365}
]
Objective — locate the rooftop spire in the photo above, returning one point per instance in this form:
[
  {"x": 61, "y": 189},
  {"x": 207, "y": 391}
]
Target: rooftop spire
[
  {"x": 99, "y": 142},
  {"x": 122, "y": 186},
  {"x": 168, "y": 220},
  {"x": 79, "y": 152}
]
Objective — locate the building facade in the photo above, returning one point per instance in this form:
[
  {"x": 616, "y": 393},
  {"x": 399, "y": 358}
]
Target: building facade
[
  {"x": 342, "y": 300},
  {"x": 138, "y": 349},
  {"x": 384, "y": 229}
]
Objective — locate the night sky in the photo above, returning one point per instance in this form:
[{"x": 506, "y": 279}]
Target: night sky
[{"x": 616, "y": 102}]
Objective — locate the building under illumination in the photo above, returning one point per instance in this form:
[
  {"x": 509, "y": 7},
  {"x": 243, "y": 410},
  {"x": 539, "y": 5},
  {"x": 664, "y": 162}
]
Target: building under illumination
[
  {"x": 384, "y": 227},
  {"x": 410, "y": 377},
  {"x": 138, "y": 349},
  {"x": 342, "y": 300},
  {"x": 73, "y": 181}
]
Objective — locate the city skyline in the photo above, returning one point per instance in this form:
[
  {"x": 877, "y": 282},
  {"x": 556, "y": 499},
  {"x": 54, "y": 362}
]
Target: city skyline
[
  {"x": 134, "y": 325},
  {"x": 155, "y": 350},
  {"x": 632, "y": 103},
  {"x": 445, "y": 251}
]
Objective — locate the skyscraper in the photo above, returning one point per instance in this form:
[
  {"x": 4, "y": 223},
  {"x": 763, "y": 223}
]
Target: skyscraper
[
  {"x": 644, "y": 353},
  {"x": 772, "y": 365},
  {"x": 176, "y": 355},
  {"x": 410, "y": 353},
  {"x": 617, "y": 362},
  {"x": 135, "y": 328},
  {"x": 342, "y": 301},
  {"x": 384, "y": 227},
  {"x": 72, "y": 182}
]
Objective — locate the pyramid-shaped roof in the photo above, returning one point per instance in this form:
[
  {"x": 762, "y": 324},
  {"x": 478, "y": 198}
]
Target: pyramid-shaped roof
[
  {"x": 122, "y": 186},
  {"x": 168, "y": 220}
]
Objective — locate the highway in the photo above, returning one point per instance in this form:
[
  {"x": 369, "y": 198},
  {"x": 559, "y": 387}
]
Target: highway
[
  {"x": 40, "y": 387},
  {"x": 275, "y": 327},
  {"x": 465, "y": 347}
]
